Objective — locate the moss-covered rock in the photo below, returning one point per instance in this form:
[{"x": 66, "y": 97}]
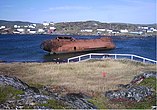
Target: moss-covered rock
[{"x": 8, "y": 92}]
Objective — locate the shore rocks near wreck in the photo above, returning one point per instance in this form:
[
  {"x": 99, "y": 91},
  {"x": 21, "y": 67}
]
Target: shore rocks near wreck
[
  {"x": 136, "y": 93},
  {"x": 40, "y": 98},
  {"x": 132, "y": 91}
]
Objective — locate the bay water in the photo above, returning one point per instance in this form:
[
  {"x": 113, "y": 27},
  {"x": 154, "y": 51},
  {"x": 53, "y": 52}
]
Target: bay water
[{"x": 26, "y": 48}]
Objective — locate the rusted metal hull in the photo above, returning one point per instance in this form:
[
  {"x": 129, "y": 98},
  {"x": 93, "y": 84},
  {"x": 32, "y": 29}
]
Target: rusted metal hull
[{"x": 72, "y": 45}]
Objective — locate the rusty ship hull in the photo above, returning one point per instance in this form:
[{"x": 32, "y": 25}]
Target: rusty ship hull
[{"x": 71, "y": 45}]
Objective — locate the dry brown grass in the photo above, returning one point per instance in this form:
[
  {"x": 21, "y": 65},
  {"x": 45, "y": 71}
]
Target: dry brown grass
[{"x": 83, "y": 77}]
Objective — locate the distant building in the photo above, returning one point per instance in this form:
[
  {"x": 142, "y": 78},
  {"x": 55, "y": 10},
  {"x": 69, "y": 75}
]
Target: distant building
[
  {"x": 149, "y": 31},
  {"x": 21, "y": 30},
  {"x": 144, "y": 27},
  {"x": 15, "y": 26},
  {"x": 16, "y": 32},
  {"x": 32, "y": 31},
  {"x": 102, "y": 30},
  {"x": 52, "y": 28},
  {"x": 41, "y": 30},
  {"x": 154, "y": 30},
  {"x": 109, "y": 30},
  {"x": 87, "y": 30},
  {"x": 26, "y": 26},
  {"x": 115, "y": 32},
  {"x": 34, "y": 25},
  {"x": 31, "y": 26},
  {"x": 45, "y": 24},
  {"x": 2, "y": 27},
  {"x": 124, "y": 31},
  {"x": 51, "y": 23},
  {"x": 138, "y": 33}
]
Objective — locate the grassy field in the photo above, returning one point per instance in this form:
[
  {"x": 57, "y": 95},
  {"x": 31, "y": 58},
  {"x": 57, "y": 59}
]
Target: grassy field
[{"x": 81, "y": 77}]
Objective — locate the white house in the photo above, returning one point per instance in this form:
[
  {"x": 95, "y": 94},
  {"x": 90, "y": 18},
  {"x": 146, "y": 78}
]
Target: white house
[
  {"x": 51, "y": 23},
  {"x": 31, "y": 26},
  {"x": 46, "y": 24},
  {"x": 87, "y": 30},
  {"x": 149, "y": 31},
  {"x": 34, "y": 25},
  {"x": 153, "y": 29},
  {"x": 41, "y": 30},
  {"x": 115, "y": 32},
  {"x": 25, "y": 26},
  {"x": 124, "y": 31},
  {"x": 52, "y": 28},
  {"x": 145, "y": 27},
  {"x": 2, "y": 27},
  {"x": 16, "y": 32},
  {"x": 109, "y": 30},
  {"x": 15, "y": 26},
  {"x": 32, "y": 31},
  {"x": 21, "y": 30},
  {"x": 140, "y": 32},
  {"x": 102, "y": 30}
]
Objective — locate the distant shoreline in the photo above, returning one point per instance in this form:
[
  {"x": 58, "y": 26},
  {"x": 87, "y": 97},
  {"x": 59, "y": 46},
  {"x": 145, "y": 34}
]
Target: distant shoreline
[{"x": 88, "y": 35}]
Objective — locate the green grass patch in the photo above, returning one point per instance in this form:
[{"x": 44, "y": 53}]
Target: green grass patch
[
  {"x": 7, "y": 92},
  {"x": 36, "y": 85},
  {"x": 145, "y": 104},
  {"x": 98, "y": 102},
  {"x": 53, "y": 104},
  {"x": 149, "y": 82}
]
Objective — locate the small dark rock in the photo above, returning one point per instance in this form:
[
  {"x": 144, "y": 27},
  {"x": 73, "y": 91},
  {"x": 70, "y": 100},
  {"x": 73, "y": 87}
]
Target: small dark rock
[{"x": 122, "y": 86}]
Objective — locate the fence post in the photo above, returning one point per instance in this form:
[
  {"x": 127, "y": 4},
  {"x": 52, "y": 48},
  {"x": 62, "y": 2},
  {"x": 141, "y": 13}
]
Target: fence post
[
  {"x": 90, "y": 56},
  {"x": 79, "y": 58},
  {"x": 115, "y": 56},
  {"x": 132, "y": 57},
  {"x": 68, "y": 60}
]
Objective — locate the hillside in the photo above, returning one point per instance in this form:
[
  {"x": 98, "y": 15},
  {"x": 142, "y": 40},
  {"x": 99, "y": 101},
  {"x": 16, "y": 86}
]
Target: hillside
[
  {"x": 82, "y": 28},
  {"x": 75, "y": 27},
  {"x": 11, "y": 23}
]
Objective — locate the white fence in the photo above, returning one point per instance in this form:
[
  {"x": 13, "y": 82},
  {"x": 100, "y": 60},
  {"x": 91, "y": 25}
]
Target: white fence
[{"x": 114, "y": 56}]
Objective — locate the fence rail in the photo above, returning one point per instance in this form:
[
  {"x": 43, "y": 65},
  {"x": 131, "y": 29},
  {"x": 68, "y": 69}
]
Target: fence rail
[{"x": 114, "y": 56}]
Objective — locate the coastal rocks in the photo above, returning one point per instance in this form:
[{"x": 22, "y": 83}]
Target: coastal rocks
[
  {"x": 132, "y": 91},
  {"x": 43, "y": 98},
  {"x": 13, "y": 81},
  {"x": 137, "y": 79},
  {"x": 136, "y": 93},
  {"x": 78, "y": 101}
]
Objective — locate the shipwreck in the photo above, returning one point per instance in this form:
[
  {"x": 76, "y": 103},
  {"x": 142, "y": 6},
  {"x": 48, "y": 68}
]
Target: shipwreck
[{"x": 70, "y": 45}]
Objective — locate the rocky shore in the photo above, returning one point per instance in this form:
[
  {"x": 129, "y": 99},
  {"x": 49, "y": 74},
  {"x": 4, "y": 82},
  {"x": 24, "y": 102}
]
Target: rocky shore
[{"x": 20, "y": 95}]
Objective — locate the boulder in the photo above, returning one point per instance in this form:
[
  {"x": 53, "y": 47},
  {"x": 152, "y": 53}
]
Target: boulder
[
  {"x": 132, "y": 92},
  {"x": 135, "y": 93}
]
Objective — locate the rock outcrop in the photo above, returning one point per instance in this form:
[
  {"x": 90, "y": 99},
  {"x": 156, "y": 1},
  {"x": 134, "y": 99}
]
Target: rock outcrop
[
  {"x": 39, "y": 98},
  {"x": 132, "y": 91}
]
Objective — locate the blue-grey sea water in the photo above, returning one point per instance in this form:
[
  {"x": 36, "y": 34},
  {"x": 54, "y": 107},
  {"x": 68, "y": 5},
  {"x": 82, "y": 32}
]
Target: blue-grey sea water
[{"x": 26, "y": 48}]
